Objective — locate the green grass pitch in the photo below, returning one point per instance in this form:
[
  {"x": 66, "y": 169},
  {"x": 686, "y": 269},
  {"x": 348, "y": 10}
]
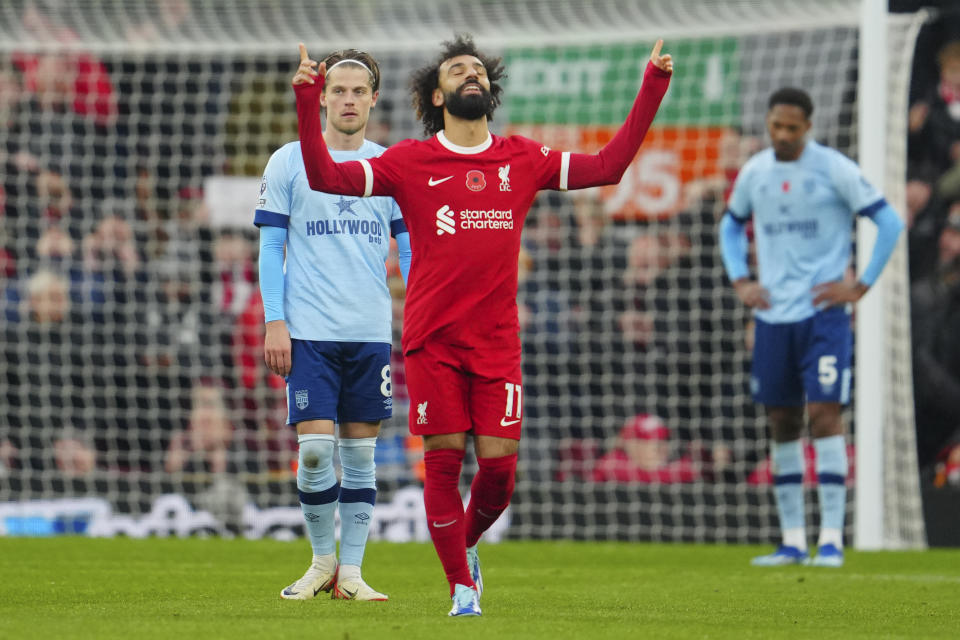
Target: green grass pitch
[{"x": 213, "y": 588}]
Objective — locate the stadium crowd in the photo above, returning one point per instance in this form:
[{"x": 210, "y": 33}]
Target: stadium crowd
[
  {"x": 933, "y": 218},
  {"x": 133, "y": 327}
]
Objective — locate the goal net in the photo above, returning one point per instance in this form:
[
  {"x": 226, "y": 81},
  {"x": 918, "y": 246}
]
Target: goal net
[{"x": 133, "y": 391}]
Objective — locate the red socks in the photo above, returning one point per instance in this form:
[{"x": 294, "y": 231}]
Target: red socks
[
  {"x": 489, "y": 494},
  {"x": 444, "y": 507}
]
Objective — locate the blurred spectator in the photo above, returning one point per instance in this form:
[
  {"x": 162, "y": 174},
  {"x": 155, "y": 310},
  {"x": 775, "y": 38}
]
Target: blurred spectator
[
  {"x": 81, "y": 78},
  {"x": 642, "y": 453},
  {"x": 207, "y": 443},
  {"x": 53, "y": 399},
  {"x": 47, "y": 301},
  {"x": 48, "y": 134},
  {"x": 235, "y": 274},
  {"x": 934, "y": 120},
  {"x": 150, "y": 227},
  {"x": 935, "y": 318},
  {"x": 111, "y": 247},
  {"x": 74, "y": 455},
  {"x": 262, "y": 394},
  {"x": 947, "y": 468},
  {"x": 189, "y": 244},
  {"x": 114, "y": 278},
  {"x": 54, "y": 246},
  {"x": 925, "y": 213}
]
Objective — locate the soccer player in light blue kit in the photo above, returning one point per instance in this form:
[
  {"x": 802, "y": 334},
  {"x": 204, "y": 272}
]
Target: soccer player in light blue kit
[
  {"x": 328, "y": 317},
  {"x": 803, "y": 197}
]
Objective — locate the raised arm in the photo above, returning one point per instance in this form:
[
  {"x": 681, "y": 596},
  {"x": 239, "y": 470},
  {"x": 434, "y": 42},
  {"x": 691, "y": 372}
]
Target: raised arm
[
  {"x": 353, "y": 178},
  {"x": 609, "y": 164}
]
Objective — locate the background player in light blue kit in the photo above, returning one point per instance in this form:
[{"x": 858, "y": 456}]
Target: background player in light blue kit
[
  {"x": 802, "y": 197},
  {"x": 327, "y": 314}
]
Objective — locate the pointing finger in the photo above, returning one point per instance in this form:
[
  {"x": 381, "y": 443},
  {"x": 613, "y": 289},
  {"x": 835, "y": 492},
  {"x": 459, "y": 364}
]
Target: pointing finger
[
  {"x": 303, "y": 53},
  {"x": 656, "y": 49}
]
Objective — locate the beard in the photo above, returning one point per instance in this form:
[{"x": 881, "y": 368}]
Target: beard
[{"x": 469, "y": 107}]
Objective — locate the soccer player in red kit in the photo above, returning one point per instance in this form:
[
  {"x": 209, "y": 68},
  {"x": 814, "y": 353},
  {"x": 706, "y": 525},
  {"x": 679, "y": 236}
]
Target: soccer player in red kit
[{"x": 464, "y": 195}]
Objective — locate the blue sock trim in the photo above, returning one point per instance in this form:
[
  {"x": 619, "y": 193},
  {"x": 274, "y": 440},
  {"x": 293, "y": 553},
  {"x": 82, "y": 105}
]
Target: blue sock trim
[
  {"x": 831, "y": 478},
  {"x": 321, "y": 497},
  {"x": 789, "y": 478},
  {"x": 366, "y": 495}
]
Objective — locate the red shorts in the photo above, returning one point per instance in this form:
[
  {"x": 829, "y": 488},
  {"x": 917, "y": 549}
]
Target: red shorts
[{"x": 456, "y": 389}]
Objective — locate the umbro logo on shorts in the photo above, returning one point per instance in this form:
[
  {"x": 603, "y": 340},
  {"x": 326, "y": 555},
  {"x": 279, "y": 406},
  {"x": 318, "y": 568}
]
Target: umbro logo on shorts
[{"x": 445, "y": 223}]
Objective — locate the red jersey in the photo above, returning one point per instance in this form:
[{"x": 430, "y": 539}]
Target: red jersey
[
  {"x": 616, "y": 466},
  {"x": 464, "y": 208}
]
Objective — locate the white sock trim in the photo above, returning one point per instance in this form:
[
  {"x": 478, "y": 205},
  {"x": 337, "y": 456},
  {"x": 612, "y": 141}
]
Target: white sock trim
[
  {"x": 795, "y": 538},
  {"x": 327, "y": 560},
  {"x": 349, "y": 571},
  {"x": 831, "y": 536}
]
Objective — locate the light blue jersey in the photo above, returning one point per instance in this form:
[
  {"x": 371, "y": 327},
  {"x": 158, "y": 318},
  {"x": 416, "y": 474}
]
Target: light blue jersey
[
  {"x": 802, "y": 218},
  {"x": 335, "y": 282}
]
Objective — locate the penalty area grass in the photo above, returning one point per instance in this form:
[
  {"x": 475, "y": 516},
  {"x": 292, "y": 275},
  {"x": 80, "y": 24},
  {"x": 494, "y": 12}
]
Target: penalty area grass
[{"x": 214, "y": 588}]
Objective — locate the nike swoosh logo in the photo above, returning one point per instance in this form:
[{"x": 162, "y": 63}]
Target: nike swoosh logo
[
  {"x": 445, "y": 524},
  {"x": 434, "y": 182},
  {"x": 506, "y": 423}
]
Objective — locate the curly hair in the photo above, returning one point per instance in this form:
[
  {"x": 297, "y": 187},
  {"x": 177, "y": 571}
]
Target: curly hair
[
  {"x": 426, "y": 79},
  {"x": 359, "y": 56},
  {"x": 793, "y": 97}
]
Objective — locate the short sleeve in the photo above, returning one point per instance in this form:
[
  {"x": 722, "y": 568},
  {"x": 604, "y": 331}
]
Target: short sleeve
[
  {"x": 862, "y": 197},
  {"x": 273, "y": 203},
  {"x": 739, "y": 205}
]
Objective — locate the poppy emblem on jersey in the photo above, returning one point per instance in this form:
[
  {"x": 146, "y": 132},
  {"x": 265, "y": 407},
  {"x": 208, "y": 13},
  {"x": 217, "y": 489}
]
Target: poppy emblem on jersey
[
  {"x": 445, "y": 222},
  {"x": 475, "y": 180},
  {"x": 302, "y": 399},
  {"x": 785, "y": 186}
]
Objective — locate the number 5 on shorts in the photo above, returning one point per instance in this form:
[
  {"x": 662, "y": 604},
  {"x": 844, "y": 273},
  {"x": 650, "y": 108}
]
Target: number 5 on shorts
[{"x": 827, "y": 370}]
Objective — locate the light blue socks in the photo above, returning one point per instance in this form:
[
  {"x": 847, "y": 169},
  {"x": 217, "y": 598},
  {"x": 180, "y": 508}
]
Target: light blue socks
[
  {"x": 358, "y": 494},
  {"x": 787, "y": 460},
  {"x": 318, "y": 488},
  {"x": 832, "y": 477}
]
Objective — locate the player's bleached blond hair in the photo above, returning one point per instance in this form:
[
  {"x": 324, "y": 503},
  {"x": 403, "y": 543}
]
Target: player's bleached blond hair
[{"x": 358, "y": 59}]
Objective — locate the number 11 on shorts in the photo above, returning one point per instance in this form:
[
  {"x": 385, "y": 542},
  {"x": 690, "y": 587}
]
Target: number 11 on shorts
[{"x": 513, "y": 390}]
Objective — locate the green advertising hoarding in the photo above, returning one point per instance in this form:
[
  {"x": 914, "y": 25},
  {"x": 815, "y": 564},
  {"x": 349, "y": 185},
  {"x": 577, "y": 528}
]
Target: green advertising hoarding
[{"x": 596, "y": 84}]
